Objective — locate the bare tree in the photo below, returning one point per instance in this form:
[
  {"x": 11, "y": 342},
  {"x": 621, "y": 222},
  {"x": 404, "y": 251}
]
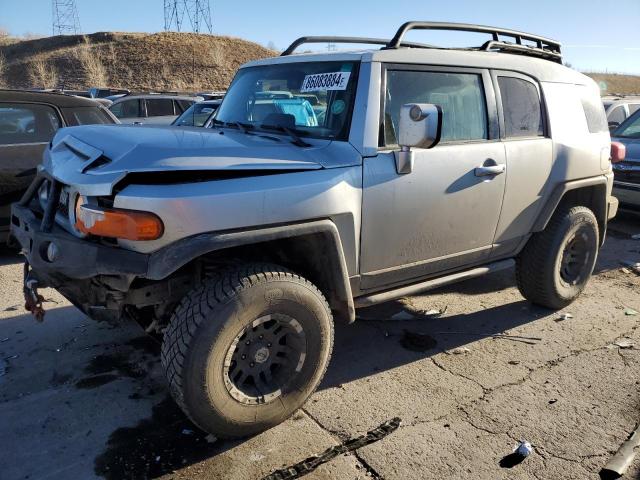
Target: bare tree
[{"x": 2, "y": 68}]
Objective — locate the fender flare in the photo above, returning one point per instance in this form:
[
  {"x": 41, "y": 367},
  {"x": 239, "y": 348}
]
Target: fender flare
[
  {"x": 167, "y": 260},
  {"x": 556, "y": 196}
]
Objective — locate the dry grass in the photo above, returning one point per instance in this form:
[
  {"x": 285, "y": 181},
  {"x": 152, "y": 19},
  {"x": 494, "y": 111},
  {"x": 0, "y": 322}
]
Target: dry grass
[
  {"x": 615, "y": 83},
  {"x": 42, "y": 74},
  {"x": 167, "y": 60},
  {"x": 2, "y": 65},
  {"x": 94, "y": 71}
]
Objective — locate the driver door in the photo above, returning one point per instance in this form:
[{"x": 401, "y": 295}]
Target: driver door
[{"x": 443, "y": 215}]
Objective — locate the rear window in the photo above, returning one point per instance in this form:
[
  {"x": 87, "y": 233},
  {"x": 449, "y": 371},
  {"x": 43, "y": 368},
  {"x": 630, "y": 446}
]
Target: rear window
[
  {"x": 594, "y": 113},
  {"x": 86, "y": 116},
  {"x": 159, "y": 107},
  {"x": 27, "y": 123},
  {"x": 521, "y": 108}
]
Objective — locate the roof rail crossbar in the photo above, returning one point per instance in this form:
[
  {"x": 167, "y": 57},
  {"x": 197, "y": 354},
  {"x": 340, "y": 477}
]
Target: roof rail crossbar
[
  {"x": 362, "y": 40},
  {"x": 541, "y": 43},
  {"x": 522, "y": 49}
]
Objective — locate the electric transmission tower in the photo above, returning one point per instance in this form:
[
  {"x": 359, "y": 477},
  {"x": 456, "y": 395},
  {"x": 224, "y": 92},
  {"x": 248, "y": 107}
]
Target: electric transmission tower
[
  {"x": 65, "y": 17},
  {"x": 198, "y": 14}
]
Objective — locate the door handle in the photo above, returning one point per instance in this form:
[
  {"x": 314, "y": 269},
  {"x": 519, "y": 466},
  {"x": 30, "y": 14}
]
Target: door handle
[{"x": 488, "y": 170}]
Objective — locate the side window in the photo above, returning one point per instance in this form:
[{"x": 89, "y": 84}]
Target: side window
[
  {"x": 460, "y": 95},
  {"x": 159, "y": 107},
  {"x": 182, "y": 105},
  {"x": 126, "y": 109},
  {"x": 617, "y": 115},
  {"x": 594, "y": 112},
  {"x": 27, "y": 123},
  {"x": 521, "y": 108}
]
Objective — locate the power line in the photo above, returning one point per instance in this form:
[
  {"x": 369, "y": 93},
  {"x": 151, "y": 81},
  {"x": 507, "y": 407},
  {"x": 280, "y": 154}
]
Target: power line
[
  {"x": 198, "y": 14},
  {"x": 65, "y": 17}
]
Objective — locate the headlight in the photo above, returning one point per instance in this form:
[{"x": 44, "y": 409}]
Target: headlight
[{"x": 117, "y": 223}]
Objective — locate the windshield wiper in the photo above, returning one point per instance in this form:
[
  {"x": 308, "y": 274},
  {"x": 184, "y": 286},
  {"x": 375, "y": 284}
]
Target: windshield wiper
[
  {"x": 244, "y": 127},
  {"x": 295, "y": 139}
]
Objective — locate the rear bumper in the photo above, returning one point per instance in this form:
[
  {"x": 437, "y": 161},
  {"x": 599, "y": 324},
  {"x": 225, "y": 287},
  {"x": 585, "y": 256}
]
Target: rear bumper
[{"x": 74, "y": 258}]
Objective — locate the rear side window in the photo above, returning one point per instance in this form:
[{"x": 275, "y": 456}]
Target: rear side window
[
  {"x": 159, "y": 107},
  {"x": 86, "y": 116},
  {"x": 126, "y": 109},
  {"x": 594, "y": 113},
  {"x": 27, "y": 123},
  {"x": 460, "y": 95},
  {"x": 617, "y": 115},
  {"x": 521, "y": 108},
  {"x": 183, "y": 105}
]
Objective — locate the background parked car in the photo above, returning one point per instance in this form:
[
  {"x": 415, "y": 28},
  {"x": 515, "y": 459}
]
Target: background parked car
[
  {"x": 151, "y": 108},
  {"x": 626, "y": 184},
  {"x": 619, "y": 108},
  {"x": 198, "y": 114},
  {"x": 28, "y": 121},
  {"x": 103, "y": 92}
]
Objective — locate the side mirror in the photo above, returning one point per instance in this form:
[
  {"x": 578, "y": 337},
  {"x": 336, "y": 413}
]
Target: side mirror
[
  {"x": 421, "y": 127},
  {"x": 613, "y": 126}
]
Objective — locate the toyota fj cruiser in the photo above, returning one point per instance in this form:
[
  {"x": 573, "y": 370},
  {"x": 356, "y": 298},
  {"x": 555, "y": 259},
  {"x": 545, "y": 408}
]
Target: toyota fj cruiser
[{"x": 327, "y": 182}]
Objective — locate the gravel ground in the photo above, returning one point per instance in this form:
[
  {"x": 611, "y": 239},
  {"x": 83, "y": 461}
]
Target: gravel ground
[{"x": 79, "y": 399}]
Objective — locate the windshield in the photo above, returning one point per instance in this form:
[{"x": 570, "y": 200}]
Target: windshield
[
  {"x": 313, "y": 98},
  {"x": 196, "y": 115},
  {"x": 630, "y": 128}
]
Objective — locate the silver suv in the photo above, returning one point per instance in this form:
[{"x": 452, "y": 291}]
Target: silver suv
[
  {"x": 151, "y": 108},
  {"x": 327, "y": 182}
]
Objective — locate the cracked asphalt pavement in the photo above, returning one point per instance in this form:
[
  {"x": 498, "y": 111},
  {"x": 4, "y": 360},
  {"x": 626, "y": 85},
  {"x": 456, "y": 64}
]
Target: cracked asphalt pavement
[{"x": 80, "y": 399}]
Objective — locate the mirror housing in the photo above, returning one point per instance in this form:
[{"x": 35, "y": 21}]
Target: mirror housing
[{"x": 420, "y": 126}]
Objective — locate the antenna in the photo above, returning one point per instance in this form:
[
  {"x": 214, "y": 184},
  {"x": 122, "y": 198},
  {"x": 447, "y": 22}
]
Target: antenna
[
  {"x": 65, "y": 17},
  {"x": 198, "y": 12}
]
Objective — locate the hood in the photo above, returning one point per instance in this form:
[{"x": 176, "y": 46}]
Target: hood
[
  {"x": 633, "y": 147},
  {"x": 94, "y": 158}
]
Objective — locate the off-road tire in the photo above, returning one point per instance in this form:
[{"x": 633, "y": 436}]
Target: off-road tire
[
  {"x": 539, "y": 267},
  {"x": 201, "y": 334}
]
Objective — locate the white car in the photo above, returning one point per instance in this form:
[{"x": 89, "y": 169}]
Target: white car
[{"x": 151, "y": 108}]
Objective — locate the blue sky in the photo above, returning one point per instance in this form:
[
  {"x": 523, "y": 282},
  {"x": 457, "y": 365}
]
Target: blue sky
[{"x": 597, "y": 36}]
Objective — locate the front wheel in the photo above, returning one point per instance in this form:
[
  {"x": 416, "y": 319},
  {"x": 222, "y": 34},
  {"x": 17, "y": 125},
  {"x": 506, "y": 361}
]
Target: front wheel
[
  {"x": 556, "y": 264},
  {"x": 247, "y": 348}
]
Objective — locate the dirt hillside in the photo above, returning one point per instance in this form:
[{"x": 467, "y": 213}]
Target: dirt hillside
[
  {"x": 614, "y": 83},
  {"x": 138, "y": 61},
  {"x": 168, "y": 60}
]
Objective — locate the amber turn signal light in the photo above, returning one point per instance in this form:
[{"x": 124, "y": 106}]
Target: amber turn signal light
[{"x": 117, "y": 223}]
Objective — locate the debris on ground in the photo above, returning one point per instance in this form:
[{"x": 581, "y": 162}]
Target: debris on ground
[
  {"x": 624, "y": 343},
  {"x": 506, "y": 336},
  {"x": 521, "y": 451},
  {"x": 458, "y": 351},
  {"x": 625, "y": 270},
  {"x": 636, "y": 236},
  {"x": 211, "y": 438},
  {"x": 634, "y": 266},
  {"x": 186, "y": 431},
  {"x": 417, "y": 342},
  {"x": 630, "y": 311},
  {"x": 514, "y": 362},
  {"x": 564, "y": 316},
  {"x": 310, "y": 464},
  {"x": 618, "y": 464}
]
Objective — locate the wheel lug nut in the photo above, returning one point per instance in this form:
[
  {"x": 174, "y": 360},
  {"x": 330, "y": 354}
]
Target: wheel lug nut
[
  {"x": 269, "y": 344},
  {"x": 247, "y": 342},
  {"x": 261, "y": 337},
  {"x": 251, "y": 364},
  {"x": 244, "y": 356}
]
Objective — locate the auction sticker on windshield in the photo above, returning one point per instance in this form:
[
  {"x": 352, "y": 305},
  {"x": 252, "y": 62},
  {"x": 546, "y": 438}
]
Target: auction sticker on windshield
[{"x": 325, "y": 81}]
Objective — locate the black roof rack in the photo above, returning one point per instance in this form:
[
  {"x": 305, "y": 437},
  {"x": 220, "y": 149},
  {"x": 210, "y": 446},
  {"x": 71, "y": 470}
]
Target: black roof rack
[
  {"x": 363, "y": 40},
  {"x": 544, "y": 47},
  {"x": 540, "y": 47}
]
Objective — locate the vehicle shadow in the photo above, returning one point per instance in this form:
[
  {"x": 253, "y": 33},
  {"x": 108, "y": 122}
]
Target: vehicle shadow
[
  {"x": 9, "y": 255},
  {"x": 376, "y": 343}
]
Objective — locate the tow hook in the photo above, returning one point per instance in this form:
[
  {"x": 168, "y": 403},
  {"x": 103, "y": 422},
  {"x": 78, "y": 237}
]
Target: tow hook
[{"x": 32, "y": 299}]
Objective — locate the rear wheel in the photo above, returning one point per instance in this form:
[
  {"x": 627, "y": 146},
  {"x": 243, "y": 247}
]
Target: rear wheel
[
  {"x": 556, "y": 264},
  {"x": 247, "y": 348}
]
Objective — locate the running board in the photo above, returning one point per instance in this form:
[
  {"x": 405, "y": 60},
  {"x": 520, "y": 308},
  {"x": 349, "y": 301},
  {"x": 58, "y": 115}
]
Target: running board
[{"x": 369, "y": 300}]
